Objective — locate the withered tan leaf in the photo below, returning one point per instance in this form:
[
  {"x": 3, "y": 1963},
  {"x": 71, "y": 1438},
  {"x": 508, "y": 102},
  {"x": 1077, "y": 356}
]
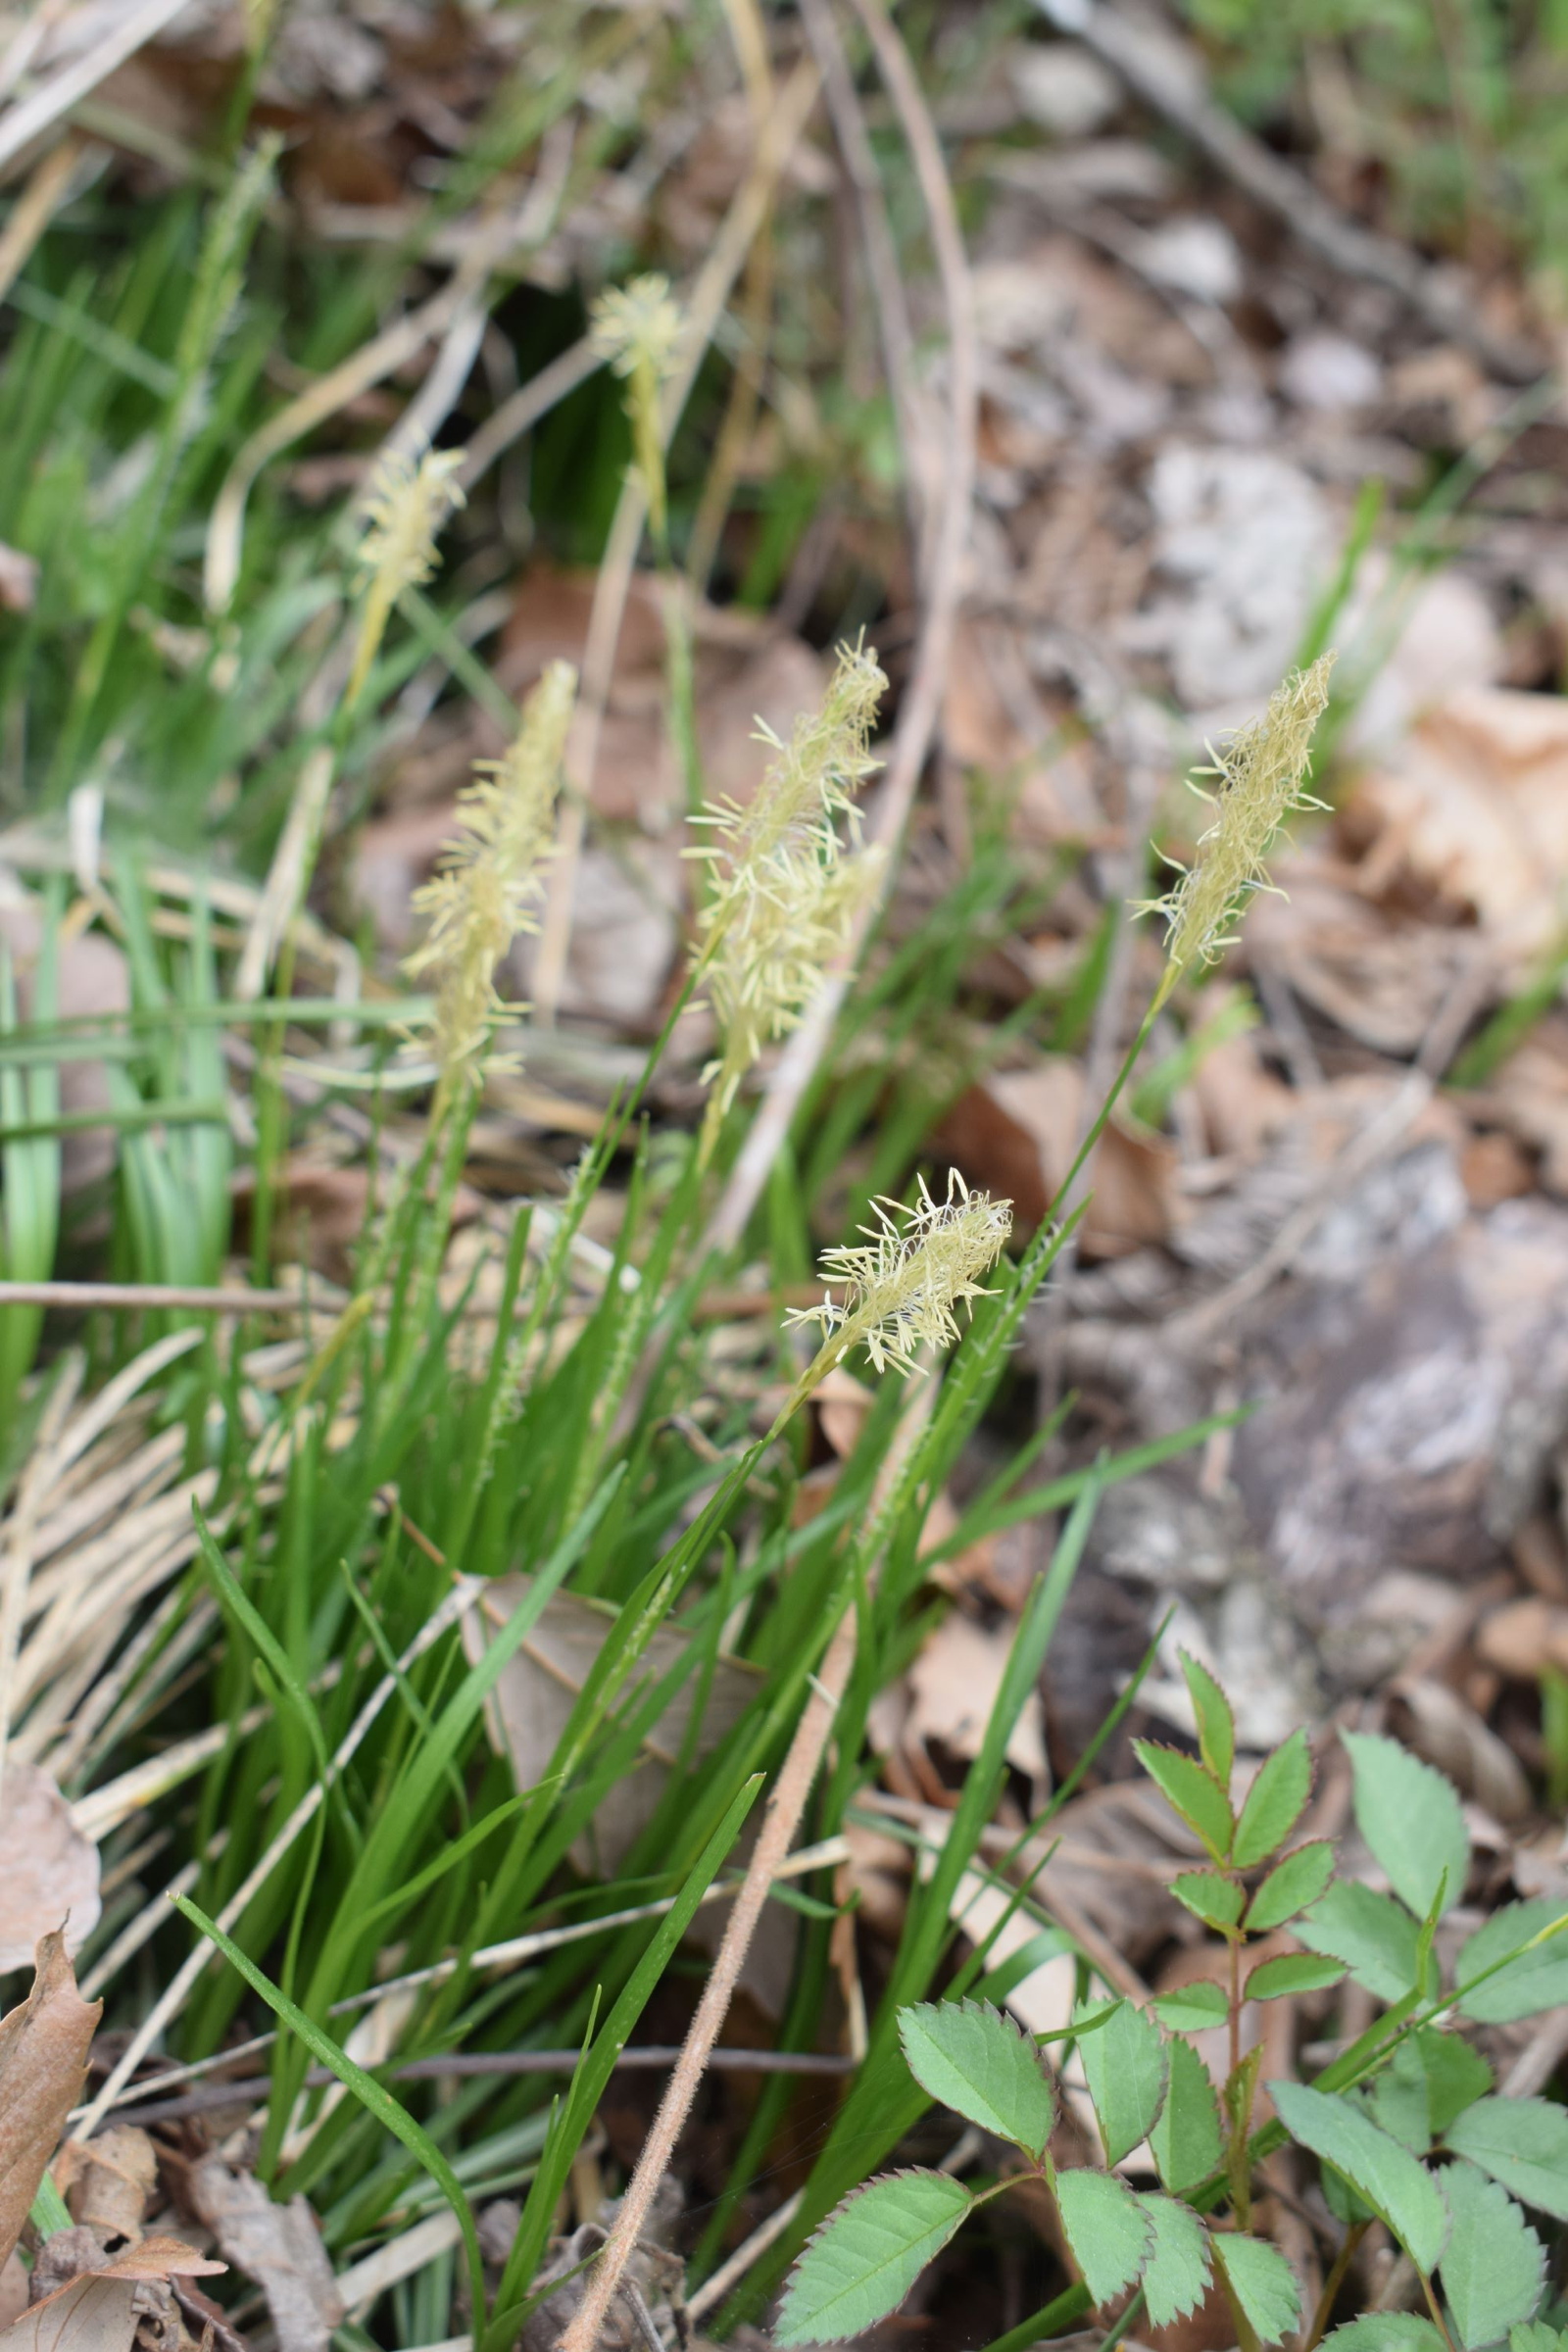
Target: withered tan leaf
[
  {"x": 279, "y": 2246},
  {"x": 43, "y": 2055},
  {"x": 48, "y": 1869},
  {"x": 96, "y": 2310}
]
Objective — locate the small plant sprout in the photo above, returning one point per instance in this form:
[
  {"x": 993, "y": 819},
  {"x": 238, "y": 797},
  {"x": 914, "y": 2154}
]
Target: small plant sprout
[
  {"x": 488, "y": 881},
  {"x": 902, "y": 1288},
  {"x": 1259, "y": 777},
  {"x": 638, "y": 328},
  {"x": 1404, "y": 2121},
  {"x": 785, "y": 889},
  {"x": 404, "y": 510}
]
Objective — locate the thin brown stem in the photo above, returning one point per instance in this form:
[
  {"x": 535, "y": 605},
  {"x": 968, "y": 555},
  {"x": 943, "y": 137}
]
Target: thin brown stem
[{"x": 1332, "y": 2285}]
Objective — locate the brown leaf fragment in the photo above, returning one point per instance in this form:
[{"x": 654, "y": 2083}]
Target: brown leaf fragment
[
  {"x": 279, "y": 2246},
  {"x": 107, "y": 2182},
  {"x": 48, "y": 1869},
  {"x": 87, "y": 2301},
  {"x": 43, "y": 2055}
]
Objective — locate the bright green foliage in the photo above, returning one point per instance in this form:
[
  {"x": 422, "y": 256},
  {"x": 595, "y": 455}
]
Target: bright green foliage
[
  {"x": 1195, "y": 1794},
  {"x": 1216, "y": 1724},
  {"x": 1126, "y": 2065},
  {"x": 1185, "y": 2140},
  {"x": 1431, "y": 2078},
  {"x": 1521, "y": 2142},
  {"x": 1108, "y": 2228},
  {"x": 976, "y": 2061},
  {"x": 1291, "y": 1885},
  {"x": 1386, "y": 2332},
  {"x": 1534, "y": 2336},
  {"x": 1180, "y": 2265},
  {"x": 1374, "y": 1936},
  {"x": 1274, "y": 1802},
  {"x": 868, "y": 2255},
  {"x": 1410, "y": 1818},
  {"x": 1216, "y": 1900},
  {"x": 1262, "y": 2283},
  {"x": 1191, "y": 2008},
  {"x": 1398, "y": 2188},
  {"x": 1537, "y": 1979},
  {"x": 1292, "y": 1971},
  {"x": 1494, "y": 2265}
]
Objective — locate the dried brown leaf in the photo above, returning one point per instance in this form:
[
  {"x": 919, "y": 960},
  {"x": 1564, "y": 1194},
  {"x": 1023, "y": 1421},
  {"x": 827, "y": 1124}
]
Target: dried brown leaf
[
  {"x": 48, "y": 1869},
  {"x": 43, "y": 2055},
  {"x": 279, "y": 2246}
]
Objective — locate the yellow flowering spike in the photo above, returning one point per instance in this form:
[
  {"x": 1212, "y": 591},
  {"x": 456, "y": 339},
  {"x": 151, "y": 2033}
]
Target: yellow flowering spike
[
  {"x": 637, "y": 328},
  {"x": 1259, "y": 774},
  {"x": 489, "y": 880},
  {"x": 404, "y": 510},
  {"x": 904, "y": 1286},
  {"x": 785, "y": 890}
]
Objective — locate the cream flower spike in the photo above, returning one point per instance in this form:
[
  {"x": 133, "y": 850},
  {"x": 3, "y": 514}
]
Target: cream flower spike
[
  {"x": 404, "y": 510},
  {"x": 904, "y": 1284},
  {"x": 489, "y": 880},
  {"x": 785, "y": 894},
  {"x": 1261, "y": 774},
  {"x": 638, "y": 328}
]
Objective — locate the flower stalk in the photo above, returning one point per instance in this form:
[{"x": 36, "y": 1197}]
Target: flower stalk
[{"x": 404, "y": 510}]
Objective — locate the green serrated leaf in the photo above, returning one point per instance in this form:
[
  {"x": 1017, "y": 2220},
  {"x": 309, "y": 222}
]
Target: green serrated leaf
[
  {"x": 1409, "y": 1816},
  {"x": 1494, "y": 2265},
  {"x": 1216, "y": 1901},
  {"x": 1262, "y": 2283},
  {"x": 1292, "y": 1971},
  {"x": 1291, "y": 1885},
  {"x": 1375, "y": 1936},
  {"x": 1431, "y": 2078},
  {"x": 1386, "y": 2332},
  {"x": 1179, "y": 2267},
  {"x": 979, "y": 2063},
  {"x": 1186, "y": 2139},
  {"x": 1274, "y": 1802},
  {"x": 1126, "y": 2068},
  {"x": 868, "y": 2254},
  {"x": 1107, "y": 2229},
  {"x": 1534, "y": 2336},
  {"x": 1521, "y": 2142},
  {"x": 1216, "y": 1724},
  {"x": 1193, "y": 1791},
  {"x": 1401, "y": 2190},
  {"x": 1192, "y": 2008},
  {"x": 1537, "y": 1979}
]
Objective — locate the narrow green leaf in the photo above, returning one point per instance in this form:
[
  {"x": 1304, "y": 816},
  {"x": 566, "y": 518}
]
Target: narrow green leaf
[
  {"x": 1186, "y": 2139},
  {"x": 1274, "y": 1802},
  {"x": 1521, "y": 2142},
  {"x": 1125, "y": 2063},
  {"x": 1216, "y": 1724},
  {"x": 1292, "y": 1971},
  {"x": 1179, "y": 2267},
  {"x": 1216, "y": 1901},
  {"x": 979, "y": 2063},
  {"x": 1399, "y": 2188},
  {"x": 1535, "y": 1979},
  {"x": 1386, "y": 2332},
  {"x": 372, "y": 2095},
  {"x": 1409, "y": 1816},
  {"x": 1107, "y": 2229},
  {"x": 1494, "y": 2265},
  {"x": 868, "y": 2255},
  {"x": 1192, "y": 2008},
  {"x": 1291, "y": 1885},
  {"x": 1194, "y": 1793},
  {"x": 1375, "y": 1936},
  {"x": 1262, "y": 2283}
]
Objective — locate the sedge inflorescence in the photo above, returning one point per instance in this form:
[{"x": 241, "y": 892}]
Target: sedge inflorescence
[
  {"x": 489, "y": 878},
  {"x": 1260, "y": 778},
  {"x": 637, "y": 328},
  {"x": 404, "y": 510},
  {"x": 918, "y": 1266},
  {"x": 786, "y": 886}
]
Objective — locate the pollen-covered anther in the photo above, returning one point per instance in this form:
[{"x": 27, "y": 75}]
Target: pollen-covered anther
[{"x": 917, "y": 1267}]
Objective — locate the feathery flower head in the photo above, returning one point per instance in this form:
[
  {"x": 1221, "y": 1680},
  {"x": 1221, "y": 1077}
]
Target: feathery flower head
[
  {"x": 905, "y": 1282},
  {"x": 1261, "y": 774},
  {"x": 488, "y": 881},
  {"x": 404, "y": 510},
  {"x": 638, "y": 328},
  {"x": 786, "y": 894}
]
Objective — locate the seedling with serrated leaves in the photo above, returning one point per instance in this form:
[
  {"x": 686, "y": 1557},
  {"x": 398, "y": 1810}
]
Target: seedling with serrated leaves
[{"x": 1405, "y": 2123}]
